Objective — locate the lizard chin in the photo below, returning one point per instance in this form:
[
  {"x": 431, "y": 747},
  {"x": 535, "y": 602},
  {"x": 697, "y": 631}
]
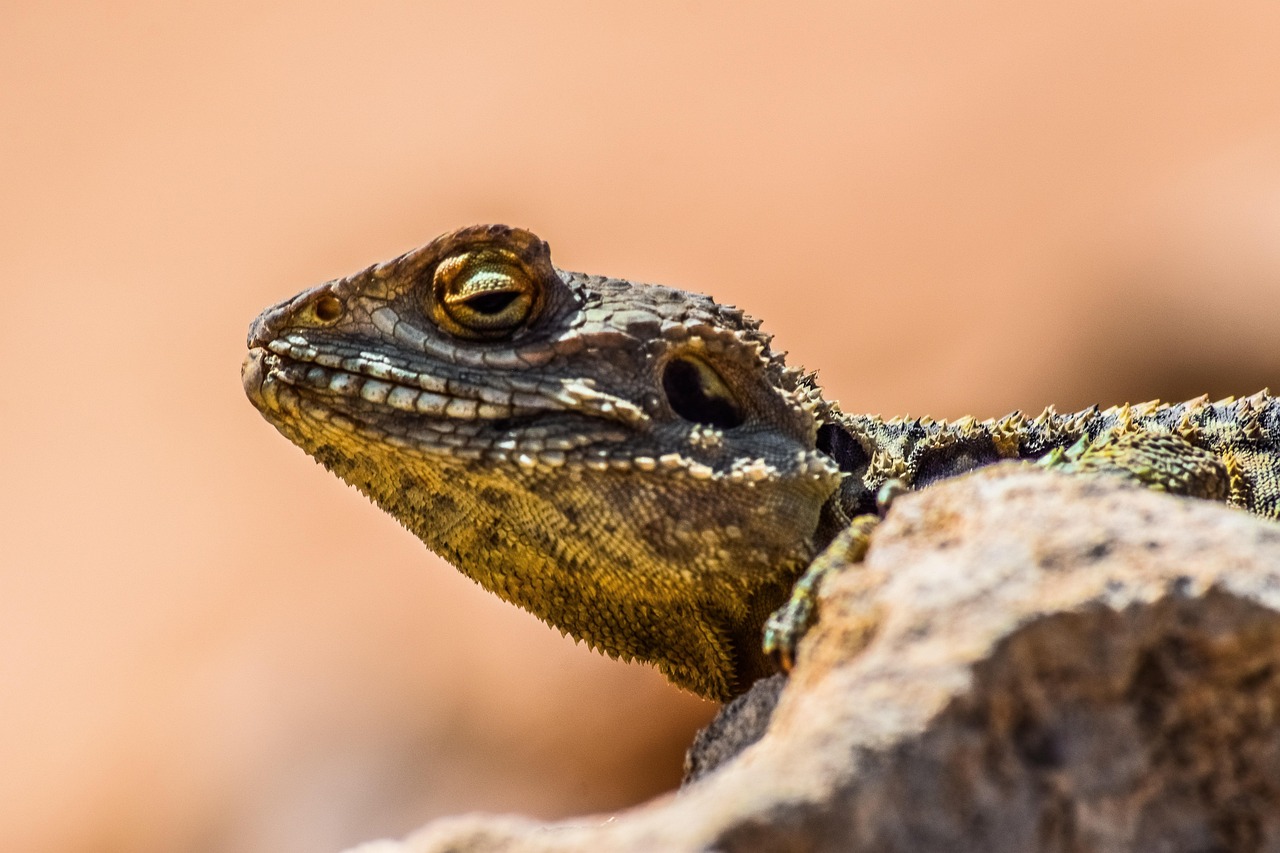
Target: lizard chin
[{"x": 254, "y": 376}]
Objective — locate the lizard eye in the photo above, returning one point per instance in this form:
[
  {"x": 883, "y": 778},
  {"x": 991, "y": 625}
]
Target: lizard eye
[
  {"x": 483, "y": 295},
  {"x": 697, "y": 393}
]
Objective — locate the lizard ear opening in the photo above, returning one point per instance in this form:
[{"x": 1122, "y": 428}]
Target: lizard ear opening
[{"x": 696, "y": 393}]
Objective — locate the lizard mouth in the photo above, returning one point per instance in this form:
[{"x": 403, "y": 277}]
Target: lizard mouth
[
  {"x": 380, "y": 382},
  {"x": 291, "y": 380}
]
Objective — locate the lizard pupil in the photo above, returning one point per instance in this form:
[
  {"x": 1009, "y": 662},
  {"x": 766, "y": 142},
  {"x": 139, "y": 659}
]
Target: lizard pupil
[
  {"x": 697, "y": 394},
  {"x": 493, "y": 302}
]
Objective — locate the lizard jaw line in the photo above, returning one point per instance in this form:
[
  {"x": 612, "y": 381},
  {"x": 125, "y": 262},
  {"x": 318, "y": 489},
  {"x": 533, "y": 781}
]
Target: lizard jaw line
[
  {"x": 289, "y": 406},
  {"x": 378, "y": 382},
  {"x": 271, "y": 392}
]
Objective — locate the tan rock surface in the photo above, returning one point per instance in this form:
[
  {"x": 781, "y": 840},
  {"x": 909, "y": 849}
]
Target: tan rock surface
[{"x": 1025, "y": 662}]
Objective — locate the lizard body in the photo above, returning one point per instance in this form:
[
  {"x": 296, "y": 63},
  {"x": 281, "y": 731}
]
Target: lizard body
[{"x": 635, "y": 464}]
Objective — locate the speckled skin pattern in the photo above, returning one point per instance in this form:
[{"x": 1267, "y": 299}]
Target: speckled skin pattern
[{"x": 633, "y": 463}]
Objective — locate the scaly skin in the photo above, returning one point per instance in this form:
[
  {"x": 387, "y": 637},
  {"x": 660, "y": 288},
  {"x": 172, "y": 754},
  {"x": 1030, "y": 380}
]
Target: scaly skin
[{"x": 634, "y": 464}]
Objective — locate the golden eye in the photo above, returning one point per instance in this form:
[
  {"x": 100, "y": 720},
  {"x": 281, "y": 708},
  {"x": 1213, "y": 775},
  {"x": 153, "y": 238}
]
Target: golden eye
[{"x": 484, "y": 294}]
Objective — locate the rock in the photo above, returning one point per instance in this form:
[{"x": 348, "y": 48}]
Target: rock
[
  {"x": 1026, "y": 661},
  {"x": 738, "y": 725}
]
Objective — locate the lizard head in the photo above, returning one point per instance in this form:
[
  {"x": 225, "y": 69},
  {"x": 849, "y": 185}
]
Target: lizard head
[{"x": 631, "y": 463}]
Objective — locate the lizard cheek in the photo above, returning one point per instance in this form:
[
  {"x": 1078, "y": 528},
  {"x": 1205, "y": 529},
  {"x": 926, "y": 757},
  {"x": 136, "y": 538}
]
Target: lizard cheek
[{"x": 696, "y": 393}]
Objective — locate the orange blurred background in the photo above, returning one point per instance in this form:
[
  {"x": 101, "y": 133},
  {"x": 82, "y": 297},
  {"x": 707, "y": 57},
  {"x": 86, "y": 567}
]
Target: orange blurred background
[{"x": 207, "y": 643}]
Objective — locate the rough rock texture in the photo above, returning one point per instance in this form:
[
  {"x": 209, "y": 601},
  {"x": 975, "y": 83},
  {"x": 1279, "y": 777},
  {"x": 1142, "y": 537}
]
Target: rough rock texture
[
  {"x": 1026, "y": 661},
  {"x": 738, "y": 725}
]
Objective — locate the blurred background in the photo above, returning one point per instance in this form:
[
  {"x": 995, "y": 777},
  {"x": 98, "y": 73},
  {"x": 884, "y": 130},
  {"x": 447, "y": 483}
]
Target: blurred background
[{"x": 207, "y": 643}]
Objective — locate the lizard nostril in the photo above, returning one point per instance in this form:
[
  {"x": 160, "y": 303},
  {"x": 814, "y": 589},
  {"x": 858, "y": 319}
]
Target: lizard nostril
[{"x": 328, "y": 309}]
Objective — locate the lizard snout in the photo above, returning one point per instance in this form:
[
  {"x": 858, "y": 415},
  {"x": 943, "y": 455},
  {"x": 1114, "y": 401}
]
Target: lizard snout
[{"x": 318, "y": 306}]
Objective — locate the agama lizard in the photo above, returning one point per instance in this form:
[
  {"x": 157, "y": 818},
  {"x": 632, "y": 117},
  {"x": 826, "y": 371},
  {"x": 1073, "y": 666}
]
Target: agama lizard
[{"x": 635, "y": 464}]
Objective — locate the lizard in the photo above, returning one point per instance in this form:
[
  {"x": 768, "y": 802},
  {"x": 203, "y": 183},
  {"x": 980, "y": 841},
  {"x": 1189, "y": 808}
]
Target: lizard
[{"x": 637, "y": 465}]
